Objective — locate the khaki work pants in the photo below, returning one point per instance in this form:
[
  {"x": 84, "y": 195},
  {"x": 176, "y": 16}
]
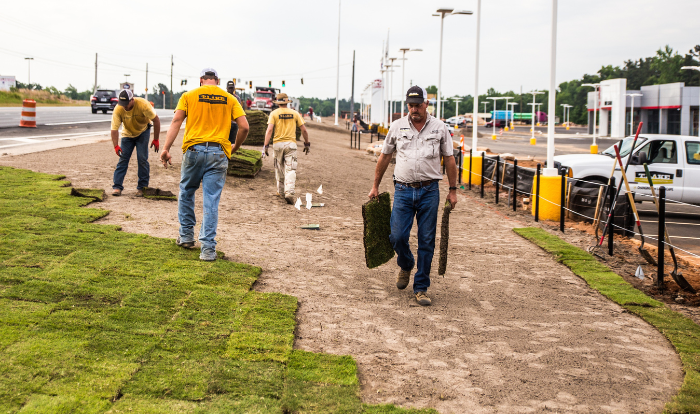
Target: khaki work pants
[{"x": 285, "y": 167}]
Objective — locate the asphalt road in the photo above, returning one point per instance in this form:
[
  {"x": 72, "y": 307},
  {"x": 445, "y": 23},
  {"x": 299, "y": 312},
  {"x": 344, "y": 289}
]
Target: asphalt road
[{"x": 682, "y": 222}]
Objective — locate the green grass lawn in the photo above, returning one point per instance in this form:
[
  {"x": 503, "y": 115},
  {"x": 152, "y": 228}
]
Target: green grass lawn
[
  {"x": 95, "y": 320},
  {"x": 681, "y": 331}
]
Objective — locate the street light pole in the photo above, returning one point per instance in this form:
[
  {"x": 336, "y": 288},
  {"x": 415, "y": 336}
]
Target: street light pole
[
  {"x": 442, "y": 14},
  {"x": 698, "y": 69},
  {"x": 493, "y": 118},
  {"x": 506, "y": 108},
  {"x": 29, "y": 70},
  {"x": 632, "y": 110},
  {"x": 337, "y": 69},
  {"x": 475, "y": 108},
  {"x": 594, "y": 147},
  {"x": 391, "y": 92},
  {"x": 533, "y": 141},
  {"x": 512, "y": 115},
  {"x": 552, "y": 107},
  {"x": 403, "y": 75}
]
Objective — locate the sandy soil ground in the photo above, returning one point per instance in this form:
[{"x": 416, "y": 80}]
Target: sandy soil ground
[{"x": 510, "y": 330}]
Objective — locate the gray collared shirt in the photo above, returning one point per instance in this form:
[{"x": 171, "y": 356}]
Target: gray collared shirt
[{"x": 418, "y": 152}]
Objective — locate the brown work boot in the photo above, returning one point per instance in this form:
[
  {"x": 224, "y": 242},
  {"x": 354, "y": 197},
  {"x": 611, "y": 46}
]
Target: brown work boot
[
  {"x": 403, "y": 278},
  {"x": 139, "y": 193},
  {"x": 116, "y": 192},
  {"x": 423, "y": 299},
  {"x": 289, "y": 198}
]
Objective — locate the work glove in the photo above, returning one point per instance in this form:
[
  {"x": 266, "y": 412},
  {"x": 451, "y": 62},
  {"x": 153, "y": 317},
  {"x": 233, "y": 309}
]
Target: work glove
[
  {"x": 155, "y": 144},
  {"x": 118, "y": 150},
  {"x": 264, "y": 151},
  {"x": 307, "y": 148}
]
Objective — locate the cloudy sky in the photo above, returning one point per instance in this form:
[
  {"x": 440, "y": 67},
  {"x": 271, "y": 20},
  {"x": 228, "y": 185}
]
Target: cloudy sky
[{"x": 276, "y": 40}]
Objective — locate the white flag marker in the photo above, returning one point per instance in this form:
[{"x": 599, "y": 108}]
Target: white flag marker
[
  {"x": 639, "y": 273},
  {"x": 298, "y": 204},
  {"x": 320, "y": 189},
  {"x": 308, "y": 201}
]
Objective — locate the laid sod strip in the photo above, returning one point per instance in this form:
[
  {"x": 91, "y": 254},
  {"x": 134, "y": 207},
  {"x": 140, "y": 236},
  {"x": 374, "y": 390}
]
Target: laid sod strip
[
  {"x": 683, "y": 333},
  {"x": 95, "y": 320}
]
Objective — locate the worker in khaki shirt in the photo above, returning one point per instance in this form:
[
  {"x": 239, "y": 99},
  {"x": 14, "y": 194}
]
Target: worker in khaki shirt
[
  {"x": 135, "y": 115},
  {"x": 284, "y": 122},
  {"x": 419, "y": 140}
]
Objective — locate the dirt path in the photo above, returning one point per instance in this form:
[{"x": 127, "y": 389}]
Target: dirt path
[{"x": 509, "y": 331}]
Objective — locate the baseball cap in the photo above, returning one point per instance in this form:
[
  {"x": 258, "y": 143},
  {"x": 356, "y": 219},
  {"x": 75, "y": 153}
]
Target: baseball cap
[
  {"x": 209, "y": 72},
  {"x": 416, "y": 95},
  {"x": 125, "y": 96}
]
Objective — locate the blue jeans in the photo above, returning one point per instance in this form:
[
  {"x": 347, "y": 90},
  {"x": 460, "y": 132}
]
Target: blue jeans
[
  {"x": 128, "y": 145},
  {"x": 423, "y": 204},
  {"x": 205, "y": 165}
]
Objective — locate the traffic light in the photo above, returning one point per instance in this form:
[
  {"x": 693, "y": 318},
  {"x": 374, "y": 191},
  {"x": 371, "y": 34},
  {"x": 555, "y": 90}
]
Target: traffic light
[
  {"x": 250, "y": 84},
  {"x": 269, "y": 84},
  {"x": 283, "y": 84},
  {"x": 183, "y": 82},
  {"x": 302, "y": 81}
]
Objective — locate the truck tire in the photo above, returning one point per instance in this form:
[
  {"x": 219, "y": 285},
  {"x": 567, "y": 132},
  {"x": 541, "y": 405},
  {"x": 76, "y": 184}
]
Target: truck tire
[{"x": 94, "y": 110}]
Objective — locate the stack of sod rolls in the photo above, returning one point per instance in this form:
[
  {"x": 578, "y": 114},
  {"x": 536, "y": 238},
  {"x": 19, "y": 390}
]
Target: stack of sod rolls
[
  {"x": 257, "y": 120},
  {"x": 245, "y": 163}
]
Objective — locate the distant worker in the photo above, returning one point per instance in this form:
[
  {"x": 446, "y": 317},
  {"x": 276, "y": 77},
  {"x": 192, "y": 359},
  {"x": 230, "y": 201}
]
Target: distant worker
[
  {"x": 311, "y": 113},
  {"x": 248, "y": 102},
  {"x": 135, "y": 115},
  {"x": 206, "y": 151},
  {"x": 231, "y": 88},
  {"x": 420, "y": 139},
  {"x": 359, "y": 125},
  {"x": 284, "y": 121}
]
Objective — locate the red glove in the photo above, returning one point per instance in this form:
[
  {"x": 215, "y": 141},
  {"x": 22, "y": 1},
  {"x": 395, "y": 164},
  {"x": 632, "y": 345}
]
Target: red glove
[
  {"x": 155, "y": 144},
  {"x": 118, "y": 150}
]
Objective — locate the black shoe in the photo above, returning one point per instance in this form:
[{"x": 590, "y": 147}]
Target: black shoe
[{"x": 186, "y": 245}]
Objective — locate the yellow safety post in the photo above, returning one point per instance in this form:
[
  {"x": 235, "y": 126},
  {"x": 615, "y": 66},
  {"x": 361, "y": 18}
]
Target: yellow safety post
[
  {"x": 476, "y": 169},
  {"x": 594, "y": 149},
  {"x": 505, "y": 129},
  {"x": 567, "y": 127},
  {"x": 550, "y": 197},
  {"x": 533, "y": 141},
  {"x": 493, "y": 137}
]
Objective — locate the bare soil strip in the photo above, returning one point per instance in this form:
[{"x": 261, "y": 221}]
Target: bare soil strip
[{"x": 510, "y": 330}]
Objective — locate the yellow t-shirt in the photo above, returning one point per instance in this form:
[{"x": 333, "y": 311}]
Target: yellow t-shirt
[
  {"x": 286, "y": 122},
  {"x": 209, "y": 110},
  {"x": 135, "y": 121}
]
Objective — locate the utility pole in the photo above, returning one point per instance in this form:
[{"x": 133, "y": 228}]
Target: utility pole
[
  {"x": 352, "y": 93},
  {"x": 94, "y": 88},
  {"x": 337, "y": 70},
  {"x": 171, "y": 81},
  {"x": 146, "y": 82}
]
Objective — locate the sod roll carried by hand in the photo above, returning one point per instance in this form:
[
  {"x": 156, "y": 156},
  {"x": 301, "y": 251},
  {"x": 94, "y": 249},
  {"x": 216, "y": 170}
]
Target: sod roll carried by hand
[
  {"x": 376, "y": 215},
  {"x": 444, "y": 238}
]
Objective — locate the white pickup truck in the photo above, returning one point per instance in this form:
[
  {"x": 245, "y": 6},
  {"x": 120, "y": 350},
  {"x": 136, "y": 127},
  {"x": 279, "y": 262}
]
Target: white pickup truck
[{"x": 673, "y": 160}]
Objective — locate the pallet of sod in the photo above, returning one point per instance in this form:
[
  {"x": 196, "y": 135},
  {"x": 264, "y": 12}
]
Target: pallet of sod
[
  {"x": 245, "y": 163},
  {"x": 257, "y": 121},
  {"x": 376, "y": 215}
]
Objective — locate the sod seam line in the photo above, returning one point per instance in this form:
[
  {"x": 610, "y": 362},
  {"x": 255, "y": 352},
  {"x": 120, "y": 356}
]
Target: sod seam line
[{"x": 679, "y": 330}]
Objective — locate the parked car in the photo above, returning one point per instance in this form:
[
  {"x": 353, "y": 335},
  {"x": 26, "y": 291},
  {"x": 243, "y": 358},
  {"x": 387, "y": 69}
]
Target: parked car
[
  {"x": 457, "y": 121},
  {"x": 500, "y": 123},
  {"x": 673, "y": 160},
  {"x": 104, "y": 100}
]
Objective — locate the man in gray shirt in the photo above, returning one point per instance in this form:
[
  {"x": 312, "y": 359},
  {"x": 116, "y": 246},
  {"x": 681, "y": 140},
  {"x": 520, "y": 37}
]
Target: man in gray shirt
[{"x": 419, "y": 140}]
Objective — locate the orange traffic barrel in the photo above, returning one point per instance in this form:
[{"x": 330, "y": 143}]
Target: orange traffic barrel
[{"x": 28, "y": 119}]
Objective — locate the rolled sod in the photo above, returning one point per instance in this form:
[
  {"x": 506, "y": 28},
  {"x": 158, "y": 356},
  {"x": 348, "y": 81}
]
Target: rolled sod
[{"x": 376, "y": 215}]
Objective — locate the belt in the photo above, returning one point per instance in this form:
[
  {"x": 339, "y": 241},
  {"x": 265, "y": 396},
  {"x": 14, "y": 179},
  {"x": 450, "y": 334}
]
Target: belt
[
  {"x": 206, "y": 144},
  {"x": 418, "y": 184}
]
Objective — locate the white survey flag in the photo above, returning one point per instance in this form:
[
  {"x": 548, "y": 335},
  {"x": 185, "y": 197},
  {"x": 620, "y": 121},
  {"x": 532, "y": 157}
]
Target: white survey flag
[
  {"x": 639, "y": 273},
  {"x": 320, "y": 189},
  {"x": 308, "y": 201},
  {"x": 298, "y": 204}
]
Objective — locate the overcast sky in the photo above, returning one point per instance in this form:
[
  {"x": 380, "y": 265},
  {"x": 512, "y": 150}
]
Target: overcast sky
[{"x": 282, "y": 40}]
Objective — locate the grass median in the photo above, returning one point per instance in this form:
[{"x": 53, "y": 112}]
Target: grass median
[
  {"x": 95, "y": 320},
  {"x": 681, "y": 331}
]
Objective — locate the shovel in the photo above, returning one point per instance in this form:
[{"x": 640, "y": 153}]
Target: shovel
[
  {"x": 675, "y": 274},
  {"x": 645, "y": 254},
  {"x": 444, "y": 238}
]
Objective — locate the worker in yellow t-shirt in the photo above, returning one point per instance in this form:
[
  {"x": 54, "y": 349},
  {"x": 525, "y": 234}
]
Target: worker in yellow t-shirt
[
  {"x": 206, "y": 147},
  {"x": 135, "y": 115},
  {"x": 284, "y": 121}
]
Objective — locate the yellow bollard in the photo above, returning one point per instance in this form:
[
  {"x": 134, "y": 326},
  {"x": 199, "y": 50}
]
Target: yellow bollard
[
  {"x": 505, "y": 129},
  {"x": 567, "y": 127},
  {"x": 533, "y": 141},
  {"x": 493, "y": 137},
  {"x": 476, "y": 173},
  {"x": 594, "y": 149},
  {"x": 538, "y": 124},
  {"x": 550, "y": 197}
]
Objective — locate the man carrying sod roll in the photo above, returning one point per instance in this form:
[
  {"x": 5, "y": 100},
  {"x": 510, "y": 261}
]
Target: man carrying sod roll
[{"x": 419, "y": 139}]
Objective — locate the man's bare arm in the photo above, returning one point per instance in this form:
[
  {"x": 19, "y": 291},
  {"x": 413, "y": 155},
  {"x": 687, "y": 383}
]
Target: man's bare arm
[
  {"x": 170, "y": 137},
  {"x": 115, "y": 137},
  {"x": 243, "y": 129},
  {"x": 451, "y": 168},
  {"x": 156, "y": 128},
  {"x": 304, "y": 133},
  {"x": 382, "y": 165},
  {"x": 268, "y": 134}
]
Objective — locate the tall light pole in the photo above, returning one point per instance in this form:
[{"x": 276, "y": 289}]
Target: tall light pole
[
  {"x": 512, "y": 114},
  {"x": 337, "y": 70},
  {"x": 387, "y": 103},
  {"x": 475, "y": 109},
  {"x": 632, "y": 110},
  {"x": 456, "y": 99},
  {"x": 126, "y": 77},
  {"x": 505, "y": 118},
  {"x": 493, "y": 118},
  {"x": 698, "y": 69},
  {"x": 29, "y": 69},
  {"x": 533, "y": 141},
  {"x": 566, "y": 114},
  {"x": 594, "y": 147},
  {"x": 552, "y": 107},
  {"x": 442, "y": 14},
  {"x": 403, "y": 75},
  {"x": 391, "y": 91}
]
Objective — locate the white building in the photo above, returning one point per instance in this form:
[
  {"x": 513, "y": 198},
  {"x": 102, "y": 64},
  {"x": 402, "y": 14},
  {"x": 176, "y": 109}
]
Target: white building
[
  {"x": 671, "y": 108},
  {"x": 7, "y": 82}
]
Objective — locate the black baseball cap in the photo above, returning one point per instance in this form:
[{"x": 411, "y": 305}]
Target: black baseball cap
[
  {"x": 230, "y": 84},
  {"x": 124, "y": 97},
  {"x": 416, "y": 95}
]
